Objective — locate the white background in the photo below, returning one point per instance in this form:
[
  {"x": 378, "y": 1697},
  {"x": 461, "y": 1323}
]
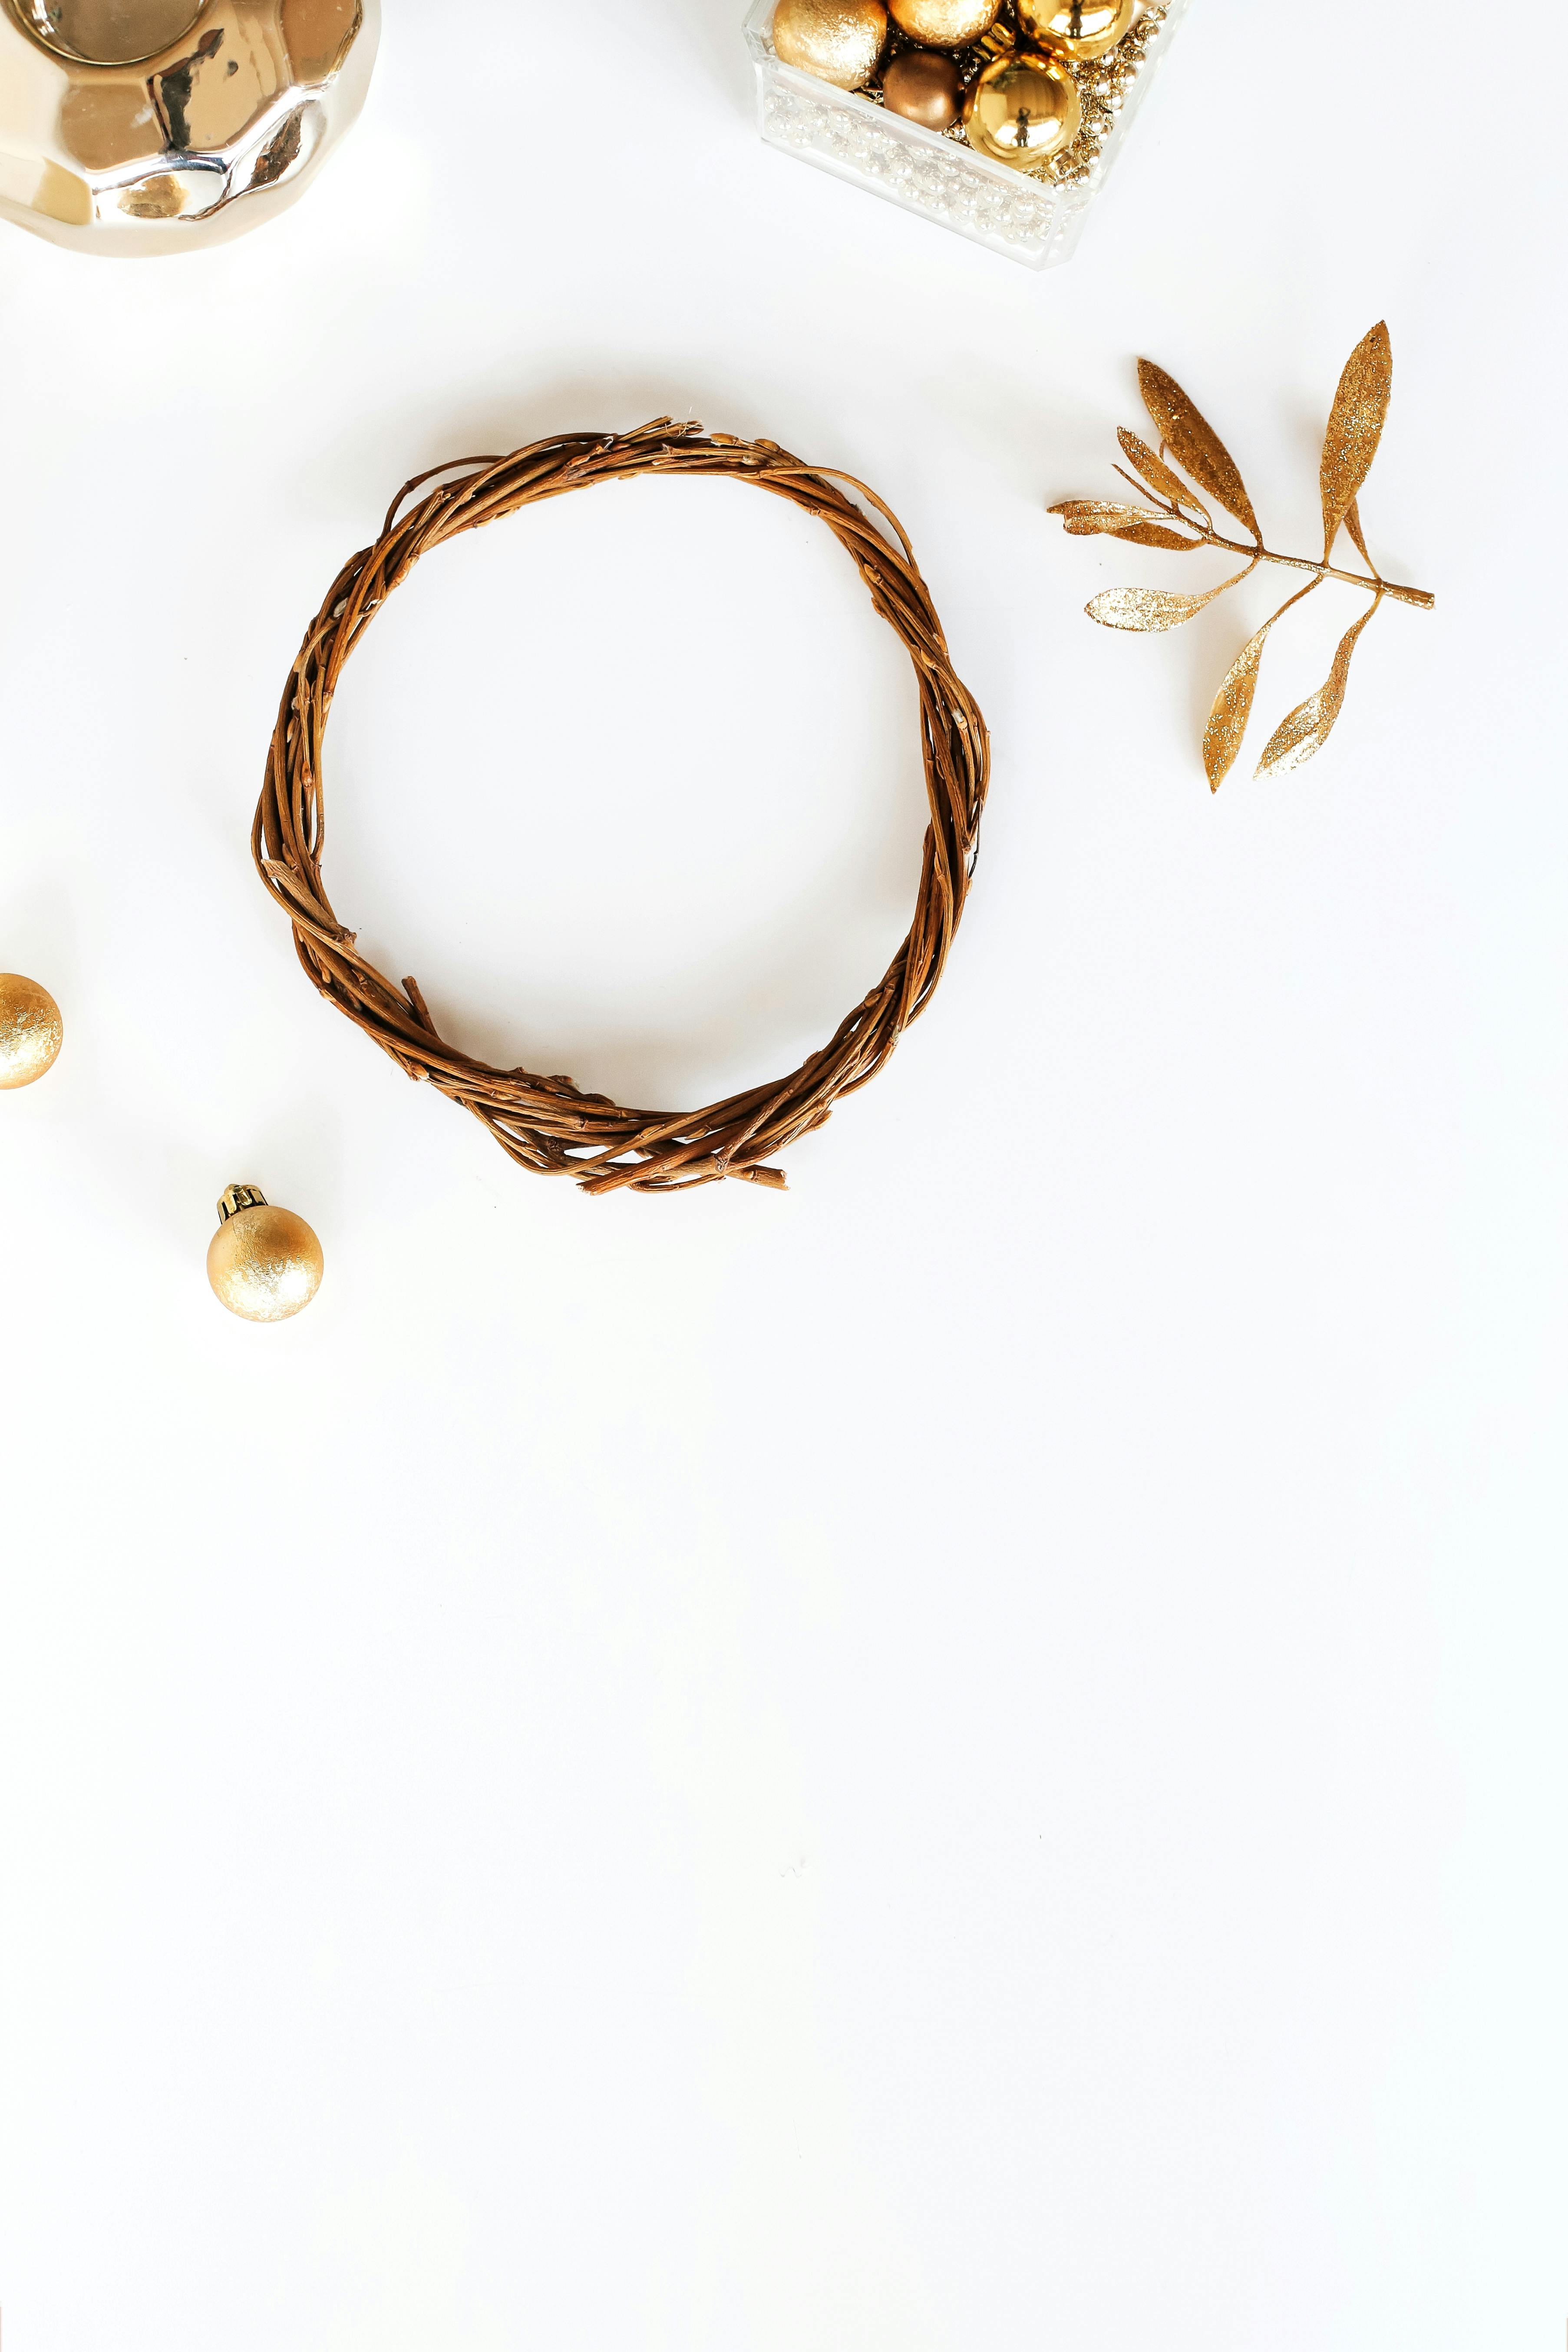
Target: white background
[{"x": 972, "y": 1757}]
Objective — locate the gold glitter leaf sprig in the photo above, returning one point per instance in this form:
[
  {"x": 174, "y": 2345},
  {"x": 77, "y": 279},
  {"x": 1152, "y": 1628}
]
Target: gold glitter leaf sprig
[{"x": 1178, "y": 519}]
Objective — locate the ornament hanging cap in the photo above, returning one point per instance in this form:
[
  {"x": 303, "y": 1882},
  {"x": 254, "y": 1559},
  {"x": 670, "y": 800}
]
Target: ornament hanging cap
[{"x": 239, "y": 1197}]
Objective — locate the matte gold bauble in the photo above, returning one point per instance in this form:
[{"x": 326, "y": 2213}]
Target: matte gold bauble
[
  {"x": 263, "y": 1262},
  {"x": 1023, "y": 111},
  {"x": 31, "y": 1030},
  {"x": 924, "y": 87},
  {"x": 840, "y": 41},
  {"x": 945, "y": 23},
  {"x": 1079, "y": 29}
]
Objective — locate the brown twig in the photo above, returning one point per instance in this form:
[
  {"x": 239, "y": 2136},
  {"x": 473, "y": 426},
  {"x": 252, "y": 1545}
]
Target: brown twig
[{"x": 547, "y": 1123}]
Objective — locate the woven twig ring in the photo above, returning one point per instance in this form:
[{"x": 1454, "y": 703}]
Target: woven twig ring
[{"x": 548, "y": 1124}]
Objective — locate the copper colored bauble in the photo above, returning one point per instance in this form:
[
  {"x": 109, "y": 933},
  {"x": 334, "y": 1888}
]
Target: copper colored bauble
[
  {"x": 924, "y": 87},
  {"x": 1023, "y": 111},
  {"x": 1079, "y": 29},
  {"x": 263, "y": 1262},
  {"x": 31, "y": 1030},
  {"x": 840, "y": 41},
  {"x": 945, "y": 23}
]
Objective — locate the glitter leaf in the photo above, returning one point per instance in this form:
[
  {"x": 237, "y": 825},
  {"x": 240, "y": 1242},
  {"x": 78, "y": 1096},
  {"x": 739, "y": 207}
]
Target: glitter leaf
[
  {"x": 1196, "y": 443},
  {"x": 1155, "y": 534},
  {"x": 1086, "y": 517},
  {"x": 1355, "y": 428},
  {"x": 1156, "y": 473},
  {"x": 1297, "y": 739},
  {"x": 1143, "y": 608},
  {"x": 1146, "y": 609},
  {"x": 1233, "y": 703}
]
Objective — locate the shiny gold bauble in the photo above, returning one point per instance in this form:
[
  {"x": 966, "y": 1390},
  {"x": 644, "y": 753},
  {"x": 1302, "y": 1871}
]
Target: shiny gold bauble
[
  {"x": 840, "y": 41},
  {"x": 152, "y": 126},
  {"x": 944, "y": 23},
  {"x": 923, "y": 87},
  {"x": 31, "y": 1030},
  {"x": 107, "y": 32},
  {"x": 1023, "y": 111},
  {"x": 1079, "y": 29},
  {"x": 263, "y": 1262}
]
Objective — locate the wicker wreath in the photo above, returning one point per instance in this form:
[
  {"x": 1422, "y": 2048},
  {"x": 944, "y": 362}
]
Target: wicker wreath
[{"x": 549, "y": 1124}]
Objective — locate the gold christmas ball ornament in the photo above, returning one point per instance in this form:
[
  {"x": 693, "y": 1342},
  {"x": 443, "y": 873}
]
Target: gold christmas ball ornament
[
  {"x": 1023, "y": 111},
  {"x": 945, "y": 23},
  {"x": 924, "y": 87},
  {"x": 263, "y": 1262},
  {"x": 31, "y": 1031},
  {"x": 1079, "y": 29},
  {"x": 151, "y": 126},
  {"x": 840, "y": 41}
]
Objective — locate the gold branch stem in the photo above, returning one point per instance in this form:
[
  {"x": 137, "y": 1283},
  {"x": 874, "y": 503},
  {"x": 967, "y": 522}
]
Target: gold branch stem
[{"x": 1416, "y": 596}]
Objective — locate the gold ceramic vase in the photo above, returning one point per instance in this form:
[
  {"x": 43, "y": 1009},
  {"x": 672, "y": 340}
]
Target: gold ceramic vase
[{"x": 152, "y": 126}]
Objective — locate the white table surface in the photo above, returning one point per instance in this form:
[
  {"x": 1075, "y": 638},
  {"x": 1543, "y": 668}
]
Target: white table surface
[{"x": 969, "y": 1759}]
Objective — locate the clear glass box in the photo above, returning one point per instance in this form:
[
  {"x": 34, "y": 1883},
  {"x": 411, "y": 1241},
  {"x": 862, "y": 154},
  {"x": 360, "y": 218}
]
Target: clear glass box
[{"x": 937, "y": 173}]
